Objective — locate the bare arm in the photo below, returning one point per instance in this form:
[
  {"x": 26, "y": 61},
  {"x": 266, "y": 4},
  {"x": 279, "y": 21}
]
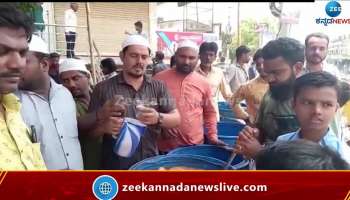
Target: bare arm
[
  {"x": 150, "y": 116},
  {"x": 235, "y": 103},
  {"x": 225, "y": 89},
  {"x": 171, "y": 120}
]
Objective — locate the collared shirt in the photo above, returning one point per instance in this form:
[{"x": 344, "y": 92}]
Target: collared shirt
[
  {"x": 194, "y": 101},
  {"x": 55, "y": 122},
  {"x": 150, "y": 90},
  {"x": 253, "y": 92},
  {"x": 218, "y": 84},
  {"x": 237, "y": 75},
  {"x": 143, "y": 34},
  {"x": 346, "y": 112},
  {"x": 70, "y": 19},
  {"x": 275, "y": 118},
  {"x": 108, "y": 76},
  {"x": 330, "y": 140},
  {"x": 16, "y": 149},
  {"x": 325, "y": 67},
  {"x": 346, "y": 119}
]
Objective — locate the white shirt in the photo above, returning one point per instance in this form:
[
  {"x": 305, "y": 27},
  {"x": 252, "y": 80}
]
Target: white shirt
[
  {"x": 143, "y": 34},
  {"x": 237, "y": 76},
  {"x": 332, "y": 69},
  {"x": 56, "y": 128},
  {"x": 70, "y": 19}
]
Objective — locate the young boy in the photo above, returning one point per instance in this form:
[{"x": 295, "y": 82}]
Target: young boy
[{"x": 315, "y": 103}]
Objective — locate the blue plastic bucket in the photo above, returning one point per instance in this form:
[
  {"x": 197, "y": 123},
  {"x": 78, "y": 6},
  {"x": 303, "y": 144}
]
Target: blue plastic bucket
[
  {"x": 229, "y": 140},
  {"x": 168, "y": 161},
  {"x": 225, "y": 111},
  {"x": 228, "y": 131},
  {"x": 212, "y": 151}
]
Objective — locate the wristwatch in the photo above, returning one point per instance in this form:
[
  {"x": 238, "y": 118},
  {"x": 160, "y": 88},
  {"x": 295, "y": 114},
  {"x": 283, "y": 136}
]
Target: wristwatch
[{"x": 160, "y": 118}]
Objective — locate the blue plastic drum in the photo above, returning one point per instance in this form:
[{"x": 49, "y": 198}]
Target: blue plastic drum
[
  {"x": 228, "y": 131},
  {"x": 168, "y": 161},
  {"x": 210, "y": 152}
]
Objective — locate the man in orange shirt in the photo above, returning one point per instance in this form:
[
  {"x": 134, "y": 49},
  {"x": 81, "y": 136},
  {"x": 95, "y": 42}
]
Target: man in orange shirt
[
  {"x": 193, "y": 98},
  {"x": 253, "y": 92}
]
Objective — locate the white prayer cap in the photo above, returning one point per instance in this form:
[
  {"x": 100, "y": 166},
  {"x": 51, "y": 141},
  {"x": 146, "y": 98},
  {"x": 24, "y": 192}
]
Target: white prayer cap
[
  {"x": 135, "y": 40},
  {"x": 38, "y": 45},
  {"x": 71, "y": 64},
  {"x": 189, "y": 44}
]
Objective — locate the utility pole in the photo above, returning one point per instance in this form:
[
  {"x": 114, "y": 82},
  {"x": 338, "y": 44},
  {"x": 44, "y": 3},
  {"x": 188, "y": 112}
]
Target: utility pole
[
  {"x": 186, "y": 19},
  {"x": 94, "y": 75},
  {"x": 238, "y": 30},
  {"x": 197, "y": 15},
  {"x": 183, "y": 19},
  {"x": 212, "y": 17}
]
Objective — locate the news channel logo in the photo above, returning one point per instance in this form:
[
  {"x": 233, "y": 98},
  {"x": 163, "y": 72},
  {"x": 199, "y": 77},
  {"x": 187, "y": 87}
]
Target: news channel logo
[
  {"x": 333, "y": 8},
  {"x": 105, "y": 187}
]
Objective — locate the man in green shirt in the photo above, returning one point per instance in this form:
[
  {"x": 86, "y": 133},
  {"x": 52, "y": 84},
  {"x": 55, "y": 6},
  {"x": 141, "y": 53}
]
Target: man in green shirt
[
  {"x": 75, "y": 77},
  {"x": 283, "y": 62}
]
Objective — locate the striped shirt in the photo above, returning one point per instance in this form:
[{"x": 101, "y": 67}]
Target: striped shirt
[{"x": 150, "y": 90}]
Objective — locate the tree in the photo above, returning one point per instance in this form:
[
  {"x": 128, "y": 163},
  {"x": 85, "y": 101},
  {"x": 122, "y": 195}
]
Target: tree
[
  {"x": 249, "y": 37},
  {"x": 24, "y": 6}
]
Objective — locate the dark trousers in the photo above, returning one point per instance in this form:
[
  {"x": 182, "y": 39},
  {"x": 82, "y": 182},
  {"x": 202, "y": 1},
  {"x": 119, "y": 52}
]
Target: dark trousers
[{"x": 70, "y": 40}]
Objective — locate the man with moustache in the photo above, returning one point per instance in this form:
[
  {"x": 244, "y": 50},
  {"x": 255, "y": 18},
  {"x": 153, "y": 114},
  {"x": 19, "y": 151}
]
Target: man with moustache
[
  {"x": 193, "y": 98},
  {"x": 214, "y": 75},
  {"x": 49, "y": 110},
  {"x": 75, "y": 77},
  {"x": 54, "y": 59},
  {"x": 238, "y": 74},
  {"x": 18, "y": 150},
  {"x": 316, "y": 49},
  {"x": 252, "y": 92},
  {"x": 132, "y": 85}
]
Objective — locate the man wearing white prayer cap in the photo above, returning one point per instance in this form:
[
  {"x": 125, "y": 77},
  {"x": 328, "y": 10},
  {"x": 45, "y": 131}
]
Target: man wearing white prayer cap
[
  {"x": 75, "y": 77},
  {"x": 48, "y": 109},
  {"x": 193, "y": 97},
  {"x": 156, "y": 109}
]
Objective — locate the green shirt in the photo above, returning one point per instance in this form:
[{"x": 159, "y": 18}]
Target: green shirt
[
  {"x": 91, "y": 148},
  {"x": 275, "y": 118}
]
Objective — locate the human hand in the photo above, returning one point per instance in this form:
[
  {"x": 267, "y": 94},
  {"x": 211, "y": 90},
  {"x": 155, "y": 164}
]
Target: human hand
[
  {"x": 217, "y": 142},
  {"x": 114, "y": 107},
  {"x": 148, "y": 116},
  {"x": 247, "y": 143},
  {"x": 112, "y": 125}
]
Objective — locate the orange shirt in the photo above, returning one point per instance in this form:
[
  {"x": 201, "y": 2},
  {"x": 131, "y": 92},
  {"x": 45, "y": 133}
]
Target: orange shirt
[
  {"x": 194, "y": 101},
  {"x": 252, "y": 92}
]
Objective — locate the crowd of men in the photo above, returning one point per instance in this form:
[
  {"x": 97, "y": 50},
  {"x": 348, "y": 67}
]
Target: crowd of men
[{"x": 56, "y": 120}]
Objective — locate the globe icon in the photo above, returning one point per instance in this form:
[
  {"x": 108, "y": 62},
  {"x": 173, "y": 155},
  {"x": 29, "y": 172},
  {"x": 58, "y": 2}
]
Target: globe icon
[{"x": 105, "y": 188}]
